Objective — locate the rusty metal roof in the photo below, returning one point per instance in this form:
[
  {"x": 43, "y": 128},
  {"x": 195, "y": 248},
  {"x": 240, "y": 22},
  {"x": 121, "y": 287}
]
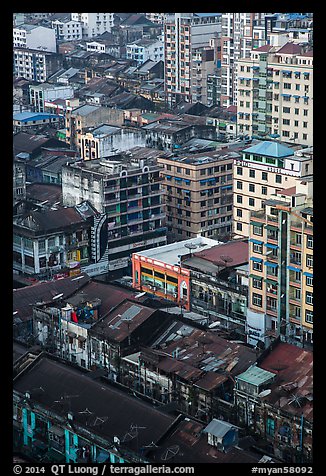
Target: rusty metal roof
[{"x": 292, "y": 390}]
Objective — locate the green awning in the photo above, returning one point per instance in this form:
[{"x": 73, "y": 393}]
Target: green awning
[
  {"x": 255, "y": 276},
  {"x": 257, "y": 223},
  {"x": 270, "y": 281},
  {"x": 271, "y": 227}
]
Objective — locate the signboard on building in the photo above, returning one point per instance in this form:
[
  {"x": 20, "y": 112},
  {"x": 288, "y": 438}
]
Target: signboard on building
[{"x": 255, "y": 327}]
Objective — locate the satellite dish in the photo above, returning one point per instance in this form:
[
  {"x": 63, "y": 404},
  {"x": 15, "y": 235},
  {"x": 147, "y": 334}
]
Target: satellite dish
[{"x": 264, "y": 393}]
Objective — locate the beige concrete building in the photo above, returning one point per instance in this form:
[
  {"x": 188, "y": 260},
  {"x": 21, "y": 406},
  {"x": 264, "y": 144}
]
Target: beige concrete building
[
  {"x": 182, "y": 33},
  {"x": 264, "y": 169},
  {"x": 80, "y": 118},
  {"x": 281, "y": 267},
  {"x": 203, "y": 64},
  {"x": 198, "y": 194},
  {"x": 275, "y": 93}
]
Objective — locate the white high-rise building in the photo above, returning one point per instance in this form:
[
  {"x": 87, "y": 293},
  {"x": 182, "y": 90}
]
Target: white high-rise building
[
  {"x": 94, "y": 24},
  {"x": 236, "y": 43}
]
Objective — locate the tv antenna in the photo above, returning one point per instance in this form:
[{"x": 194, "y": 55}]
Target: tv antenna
[{"x": 170, "y": 452}]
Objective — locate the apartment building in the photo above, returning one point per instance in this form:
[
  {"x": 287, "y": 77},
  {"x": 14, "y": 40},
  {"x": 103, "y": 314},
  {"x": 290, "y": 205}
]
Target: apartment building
[
  {"x": 67, "y": 29},
  {"x": 198, "y": 193},
  {"x": 82, "y": 117},
  {"x": 275, "y": 93},
  {"x": 281, "y": 267},
  {"x": 236, "y": 43},
  {"x": 94, "y": 24},
  {"x": 131, "y": 198},
  {"x": 182, "y": 33},
  {"x": 34, "y": 37},
  {"x": 203, "y": 64},
  {"x": 40, "y": 93},
  {"x": 35, "y": 65},
  {"x": 264, "y": 169},
  {"x": 49, "y": 242},
  {"x": 106, "y": 140},
  {"x": 144, "y": 49}
]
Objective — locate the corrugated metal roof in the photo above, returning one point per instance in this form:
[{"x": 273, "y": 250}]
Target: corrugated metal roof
[
  {"x": 218, "y": 428},
  {"x": 256, "y": 376},
  {"x": 270, "y": 149}
]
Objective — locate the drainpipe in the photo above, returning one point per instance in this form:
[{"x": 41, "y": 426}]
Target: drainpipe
[{"x": 301, "y": 436}]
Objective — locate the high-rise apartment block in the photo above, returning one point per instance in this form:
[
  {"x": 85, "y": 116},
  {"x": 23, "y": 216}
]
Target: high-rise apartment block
[
  {"x": 265, "y": 169},
  {"x": 281, "y": 267},
  {"x": 198, "y": 194},
  {"x": 183, "y": 32},
  {"x": 236, "y": 43},
  {"x": 131, "y": 198},
  {"x": 275, "y": 93}
]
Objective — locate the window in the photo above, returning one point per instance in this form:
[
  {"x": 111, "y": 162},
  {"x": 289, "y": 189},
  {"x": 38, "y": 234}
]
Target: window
[
  {"x": 257, "y": 266},
  {"x": 257, "y": 248},
  {"x": 310, "y": 242},
  {"x": 264, "y": 176},
  {"x": 309, "y": 280},
  {"x": 270, "y": 427},
  {"x": 239, "y": 212},
  {"x": 309, "y": 317},
  {"x": 310, "y": 261},
  {"x": 286, "y": 122},
  {"x": 252, "y": 173},
  {"x": 257, "y": 282},
  {"x": 239, "y": 198},
  {"x": 239, "y": 226},
  {"x": 286, "y": 110},
  {"x": 251, "y": 187},
  {"x": 309, "y": 298},
  {"x": 264, "y": 190},
  {"x": 251, "y": 202},
  {"x": 257, "y": 299},
  {"x": 239, "y": 185},
  {"x": 258, "y": 230},
  {"x": 296, "y": 111},
  {"x": 239, "y": 170}
]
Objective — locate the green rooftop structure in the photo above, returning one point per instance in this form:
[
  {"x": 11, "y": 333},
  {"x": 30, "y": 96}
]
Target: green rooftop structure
[
  {"x": 270, "y": 149},
  {"x": 256, "y": 376}
]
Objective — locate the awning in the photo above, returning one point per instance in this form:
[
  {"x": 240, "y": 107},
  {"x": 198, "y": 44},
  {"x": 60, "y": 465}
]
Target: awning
[
  {"x": 258, "y": 260},
  {"x": 178, "y": 179},
  {"x": 256, "y": 223},
  {"x": 269, "y": 245},
  {"x": 226, "y": 187},
  {"x": 271, "y": 227},
  {"x": 255, "y": 276},
  {"x": 293, "y": 268},
  {"x": 286, "y": 95},
  {"x": 308, "y": 274},
  {"x": 271, "y": 265},
  {"x": 81, "y": 338},
  {"x": 257, "y": 242},
  {"x": 72, "y": 334},
  {"x": 288, "y": 72},
  {"x": 270, "y": 281}
]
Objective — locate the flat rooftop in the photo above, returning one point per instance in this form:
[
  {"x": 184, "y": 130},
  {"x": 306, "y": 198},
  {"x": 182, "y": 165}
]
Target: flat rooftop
[{"x": 171, "y": 253}]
